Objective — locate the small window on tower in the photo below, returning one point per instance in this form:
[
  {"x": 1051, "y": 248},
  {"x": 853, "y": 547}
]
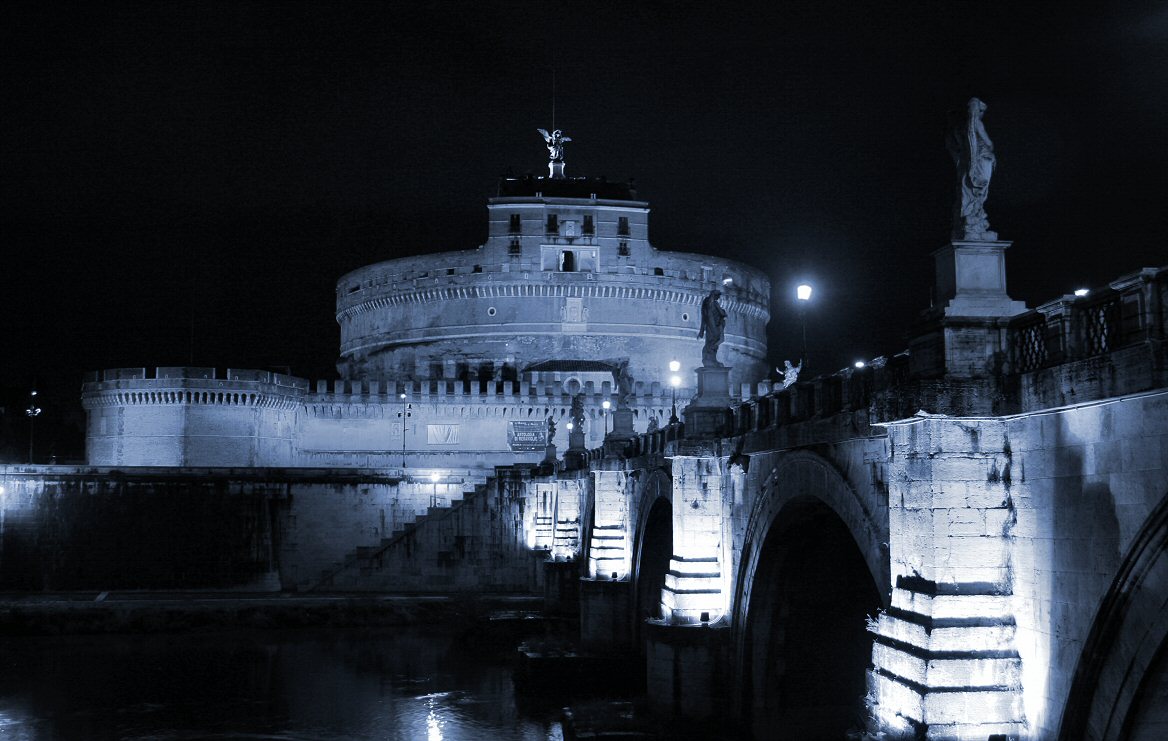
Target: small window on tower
[
  {"x": 553, "y": 224},
  {"x": 515, "y": 226},
  {"x": 623, "y": 249},
  {"x": 622, "y": 226},
  {"x": 658, "y": 271},
  {"x": 514, "y": 248},
  {"x": 588, "y": 227}
]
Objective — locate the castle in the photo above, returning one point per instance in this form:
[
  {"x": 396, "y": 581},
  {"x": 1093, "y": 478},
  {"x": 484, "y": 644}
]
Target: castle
[
  {"x": 972, "y": 535},
  {"x": 457, "y": 360}
]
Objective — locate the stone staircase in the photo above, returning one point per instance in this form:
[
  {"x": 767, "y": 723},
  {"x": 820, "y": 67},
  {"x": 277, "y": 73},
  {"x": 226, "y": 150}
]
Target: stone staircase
[{"x": 475, "y": 542}]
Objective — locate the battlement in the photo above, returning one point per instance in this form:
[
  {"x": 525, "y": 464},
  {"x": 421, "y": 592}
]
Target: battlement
[{"x": 169, "y": 385}]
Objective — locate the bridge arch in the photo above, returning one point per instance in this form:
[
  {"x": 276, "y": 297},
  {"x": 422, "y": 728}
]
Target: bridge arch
[
  {"x": 814, "y": 564},
  {"x": 652, "y": 545},
  {"x": 1122, "y": 674}
]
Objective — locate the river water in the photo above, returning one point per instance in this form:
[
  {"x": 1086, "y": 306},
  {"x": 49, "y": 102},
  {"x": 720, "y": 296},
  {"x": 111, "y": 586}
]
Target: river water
[{"x": 412, "y": 684}]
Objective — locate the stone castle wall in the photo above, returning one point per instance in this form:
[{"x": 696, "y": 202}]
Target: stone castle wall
[
  {"x": 190, "y": 417},
  {"x": 491, "y": 312}
]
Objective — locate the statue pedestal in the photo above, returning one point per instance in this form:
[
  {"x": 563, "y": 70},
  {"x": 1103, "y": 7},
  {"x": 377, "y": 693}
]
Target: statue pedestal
[
  {"x": 963, "y": 335},
  {"x": 622, "y": 423},
  {"x": 556, "y": 170},
  {"x": 708, "y": 413},
  {"x": 971, "y": 280}
]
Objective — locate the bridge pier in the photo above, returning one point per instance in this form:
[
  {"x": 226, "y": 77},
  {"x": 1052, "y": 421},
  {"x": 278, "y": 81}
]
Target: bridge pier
[
  {"x": 606, "y": 607},
  {"x": 687, "y": 649},
  {"x": 687, "y": 668},
  {"x": 944, "y": 658}
]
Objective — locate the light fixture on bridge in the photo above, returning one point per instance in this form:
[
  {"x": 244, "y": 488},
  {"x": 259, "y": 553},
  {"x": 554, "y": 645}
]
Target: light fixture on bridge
[
  {"x": 570, "y": 426},
  {"x": 1081, "y": 292},
  {"x": 674, "y": 382},
  {"x": 606, "y": 405},
  {"x": 803, "y": 294},
  {"x": 435, "y": 477},
  {"x": 859, "y": 364}
]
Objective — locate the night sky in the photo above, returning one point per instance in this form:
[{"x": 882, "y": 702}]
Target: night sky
[{"x": 228, "y": 162}]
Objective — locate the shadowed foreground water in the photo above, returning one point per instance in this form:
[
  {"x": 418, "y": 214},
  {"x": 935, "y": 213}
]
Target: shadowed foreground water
[{"x": 386, "y": 683}]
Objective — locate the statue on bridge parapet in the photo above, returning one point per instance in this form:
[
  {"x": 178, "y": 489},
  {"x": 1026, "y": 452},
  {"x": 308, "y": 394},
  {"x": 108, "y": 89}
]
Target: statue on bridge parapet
[
  {"x": 973, "y": 153},
  {"x": 790, "y": 374},
  {"x": 713, "y": 328}
]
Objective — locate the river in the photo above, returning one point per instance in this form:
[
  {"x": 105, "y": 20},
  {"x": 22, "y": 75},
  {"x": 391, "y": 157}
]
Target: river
[{"x": 407, "y": 684}]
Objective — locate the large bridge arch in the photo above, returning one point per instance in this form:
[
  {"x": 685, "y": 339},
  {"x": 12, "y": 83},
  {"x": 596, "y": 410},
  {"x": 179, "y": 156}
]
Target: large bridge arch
[
  {"x": 814, "y": 564},
  {"x": 652, "y": 545},
  {"x": 1122, "y": 674}
]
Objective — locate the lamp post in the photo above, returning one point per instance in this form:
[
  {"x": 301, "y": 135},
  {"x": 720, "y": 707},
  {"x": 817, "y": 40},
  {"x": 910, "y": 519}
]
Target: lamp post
[
  {"x": 606, "y": 405},
  {"x": 32, "y": 413},
  {"x": 403, "y": 415},
  {"x": 674, "y": 382},
  {"x": 803, "y": 294}
]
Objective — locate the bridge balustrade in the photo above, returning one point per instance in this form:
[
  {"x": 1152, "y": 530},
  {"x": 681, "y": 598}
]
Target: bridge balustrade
[{"x": 1127, "y": 312}]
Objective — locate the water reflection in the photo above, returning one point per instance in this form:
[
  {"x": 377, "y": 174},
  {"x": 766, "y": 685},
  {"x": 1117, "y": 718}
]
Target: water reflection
[{"x": 402, "y": 683}]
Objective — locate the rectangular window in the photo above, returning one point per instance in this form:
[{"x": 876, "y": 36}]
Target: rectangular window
[
  {"x": 515, "y": 226},
  {"x": 514, "y": 248},
  {"x": 623, "y": 250},
  {"x": 622, "y": 226},
  {"x": 553, "y": 224},
  {"x": 588, "y": 227}
]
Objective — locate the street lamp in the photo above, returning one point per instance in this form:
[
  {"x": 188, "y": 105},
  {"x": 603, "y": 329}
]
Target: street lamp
[
  {"x": 674, "y": 382},
  {"x": 32, "y": 413},
  {"x": 606, "y": 405},
  {"x": 403, "y": 415},
  {"x": 803, "y": 294}
]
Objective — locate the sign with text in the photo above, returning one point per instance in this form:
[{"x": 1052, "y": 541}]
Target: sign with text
[{"x": 527, "y": 436}]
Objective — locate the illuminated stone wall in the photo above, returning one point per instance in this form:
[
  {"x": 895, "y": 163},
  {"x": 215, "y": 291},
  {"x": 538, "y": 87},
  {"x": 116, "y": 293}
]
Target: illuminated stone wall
[{"x": 512, "y": 302}]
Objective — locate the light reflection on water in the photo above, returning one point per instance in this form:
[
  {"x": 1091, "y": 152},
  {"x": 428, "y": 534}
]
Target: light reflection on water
[{"x": 388, "y": 683}]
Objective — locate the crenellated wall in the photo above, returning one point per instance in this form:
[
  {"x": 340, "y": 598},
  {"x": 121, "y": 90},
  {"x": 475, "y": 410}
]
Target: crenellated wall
[
  {"x": 194, "y": 417},
  {"x": 190, "y": 417}
]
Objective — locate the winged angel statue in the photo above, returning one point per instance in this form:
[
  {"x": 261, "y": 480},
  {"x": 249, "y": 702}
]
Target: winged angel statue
[{"x": 555, "y": 144}]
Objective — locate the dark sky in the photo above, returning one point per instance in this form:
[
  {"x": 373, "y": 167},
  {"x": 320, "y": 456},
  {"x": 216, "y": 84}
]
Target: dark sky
[{"x": 230, "y": 161}]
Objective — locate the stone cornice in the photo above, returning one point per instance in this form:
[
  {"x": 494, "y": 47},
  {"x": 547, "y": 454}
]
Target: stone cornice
[{"x": 592, "y": 289}]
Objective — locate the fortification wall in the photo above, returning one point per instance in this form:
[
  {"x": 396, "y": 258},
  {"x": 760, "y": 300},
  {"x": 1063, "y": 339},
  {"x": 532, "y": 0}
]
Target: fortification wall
[
  {"x": 96, "y": 528},
  {"x": 190, "y": 417}
]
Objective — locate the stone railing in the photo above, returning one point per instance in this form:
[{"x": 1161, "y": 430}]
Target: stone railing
[{"x": 1128, "y": 311}]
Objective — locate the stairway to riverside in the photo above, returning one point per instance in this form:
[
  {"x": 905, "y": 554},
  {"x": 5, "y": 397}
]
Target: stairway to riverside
[
  {"x": 363, "y": 553},
  {"x": 473, "y": 542}
]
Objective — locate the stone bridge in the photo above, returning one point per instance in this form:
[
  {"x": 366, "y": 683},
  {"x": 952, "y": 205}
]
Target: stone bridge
[
  {"x": 950, "y": 554},
  {"x": 966, "y": 540}
]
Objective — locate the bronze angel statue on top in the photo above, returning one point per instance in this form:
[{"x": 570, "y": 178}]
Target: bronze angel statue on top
[{"x": 555, "y": 144}]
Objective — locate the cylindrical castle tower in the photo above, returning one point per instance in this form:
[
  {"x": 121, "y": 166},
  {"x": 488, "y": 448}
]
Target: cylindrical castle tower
[{"x": 567, "y": 274}]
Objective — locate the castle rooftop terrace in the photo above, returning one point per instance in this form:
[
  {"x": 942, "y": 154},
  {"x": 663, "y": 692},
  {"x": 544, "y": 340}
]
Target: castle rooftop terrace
[{"x": 590, "y": 188}]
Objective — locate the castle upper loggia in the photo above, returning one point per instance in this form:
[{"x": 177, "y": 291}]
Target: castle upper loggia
[{"x": 967, "y": 539}]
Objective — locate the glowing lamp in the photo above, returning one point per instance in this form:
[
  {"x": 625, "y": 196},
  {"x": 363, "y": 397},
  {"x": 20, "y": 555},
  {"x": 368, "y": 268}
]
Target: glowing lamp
[
  {"x": 435, "y": 477},
  {"x": 403, "y": 395},
  {"x": 606, "y": 404},
  {"x": 803, "y": 292},
  {"x": 727, "y": 281},
  {"x": 859, "y": 363},
  {"x": 1081, "y": 292},
  {"x": 570, "y": 426},
  {"x": 674, "y": 366},
  {"x": 675, "y": 381}
]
